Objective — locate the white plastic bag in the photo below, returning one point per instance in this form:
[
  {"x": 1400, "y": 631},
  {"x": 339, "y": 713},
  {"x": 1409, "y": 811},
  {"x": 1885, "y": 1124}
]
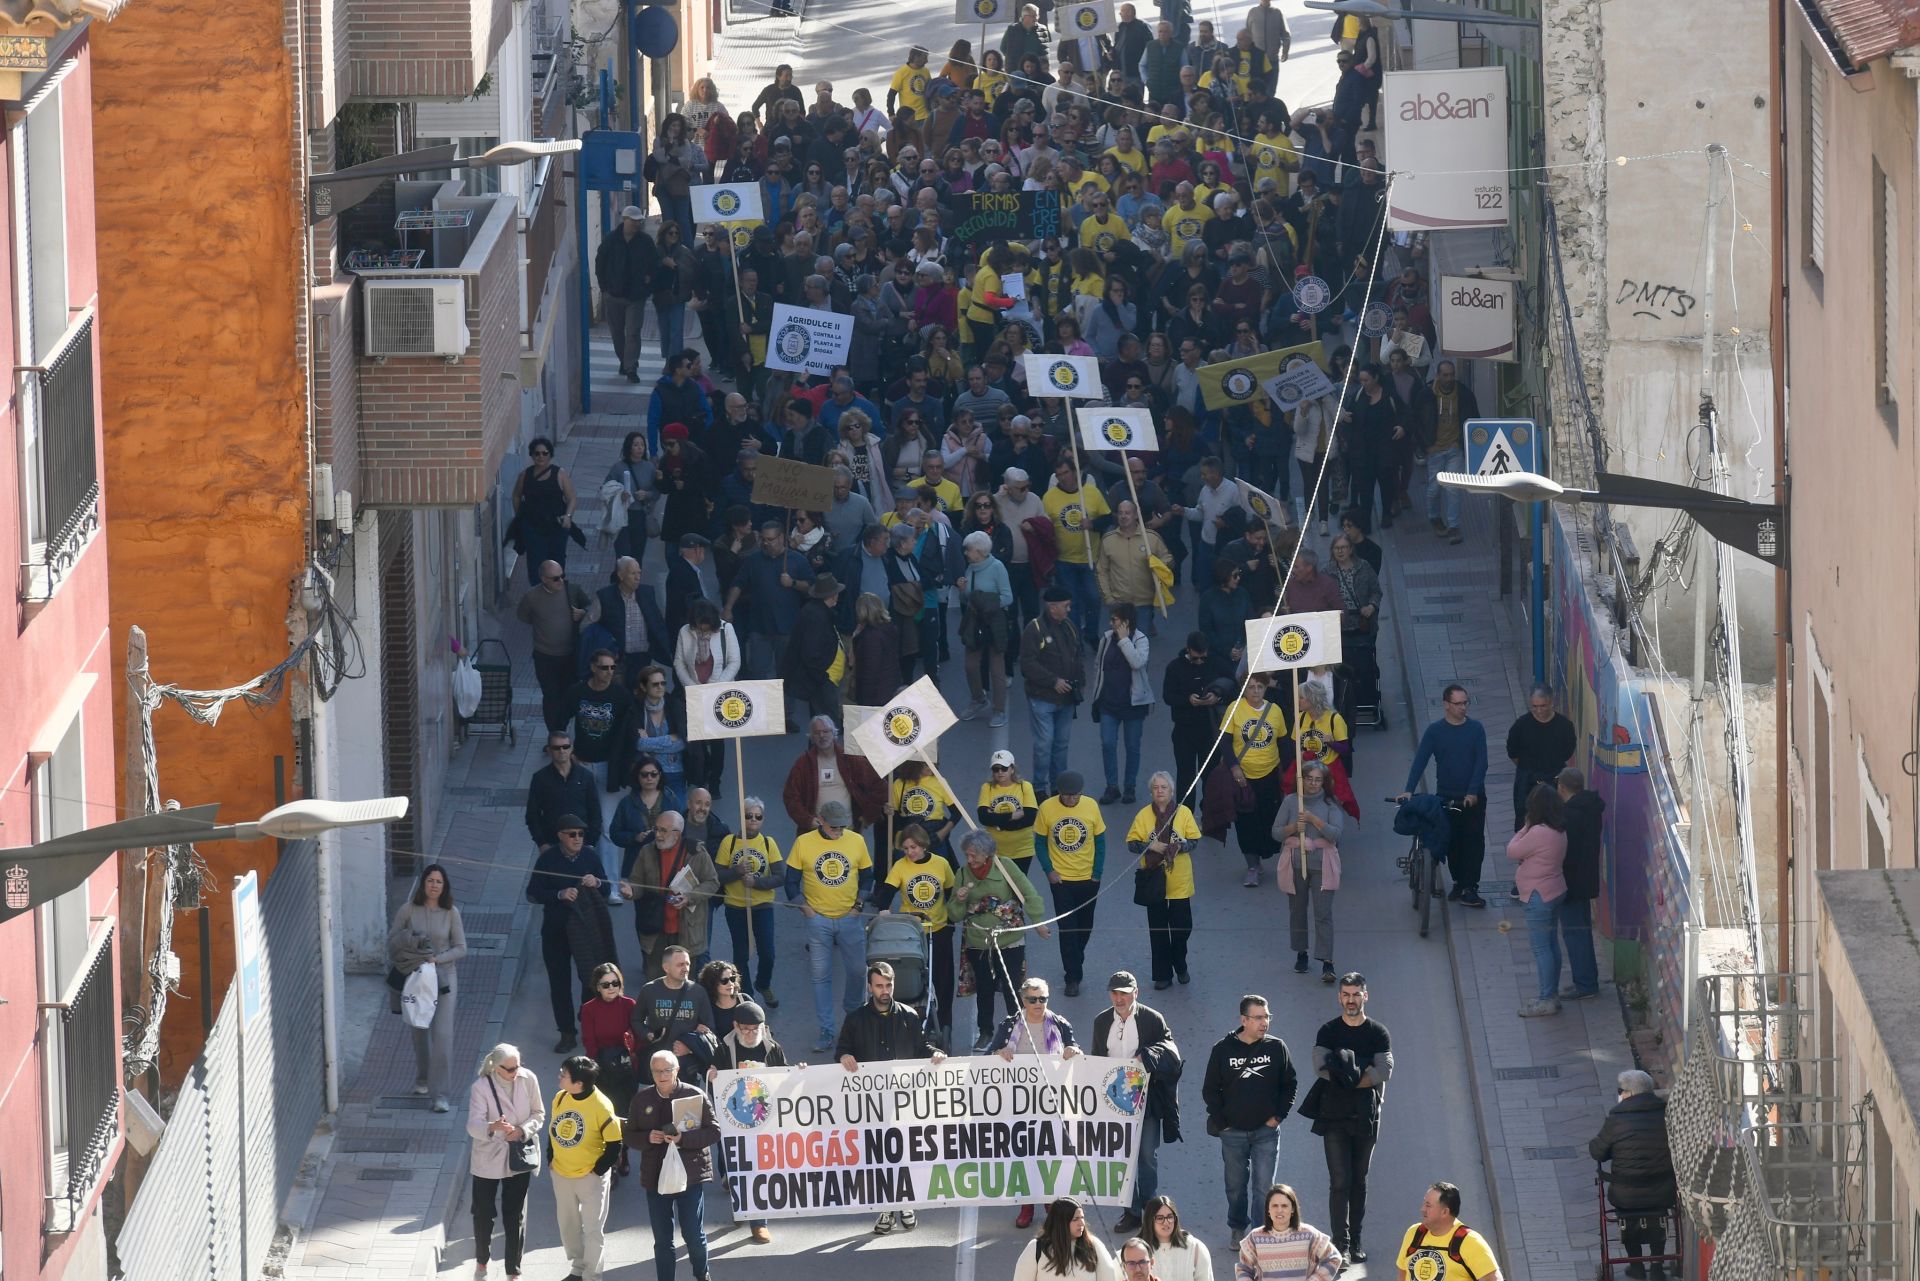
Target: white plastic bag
[
  {"x": 673, "y": 1173},
  {"x": 466, "y": 688},
  {"x": 613, "y": 517},
  {"x": 421, "y": 996}
]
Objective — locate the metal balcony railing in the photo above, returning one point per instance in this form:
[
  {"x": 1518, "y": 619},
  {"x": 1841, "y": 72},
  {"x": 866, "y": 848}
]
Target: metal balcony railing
[
  {"x": 69, "y": 477},
  {"x": 543, "y": 231},
  {"x": 1771, "y": 1164},
  {"x": 87, "y": 1022}
]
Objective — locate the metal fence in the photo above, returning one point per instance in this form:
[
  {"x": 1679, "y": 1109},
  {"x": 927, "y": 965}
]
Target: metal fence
[{"x": 210, "y": 1203}]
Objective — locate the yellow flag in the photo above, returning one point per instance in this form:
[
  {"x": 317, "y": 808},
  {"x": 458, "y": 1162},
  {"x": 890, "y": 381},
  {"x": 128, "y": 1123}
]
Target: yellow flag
[{"x": 1238, "y": 381}]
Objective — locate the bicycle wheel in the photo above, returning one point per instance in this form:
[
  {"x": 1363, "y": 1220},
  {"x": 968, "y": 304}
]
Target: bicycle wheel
[
  {"x": 1417, "y": 872},
  {"x": 1430, "y": 878}
]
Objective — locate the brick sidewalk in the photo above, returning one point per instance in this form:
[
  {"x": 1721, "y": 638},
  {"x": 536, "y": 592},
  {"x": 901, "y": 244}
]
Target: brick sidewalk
[
  {"x": 1541, "y": 1086},
  {"x": 386, "y": 1173}
]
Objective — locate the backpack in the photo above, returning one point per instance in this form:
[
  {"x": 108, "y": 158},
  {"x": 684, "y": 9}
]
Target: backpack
[{"x": 1460, "y": 1231}]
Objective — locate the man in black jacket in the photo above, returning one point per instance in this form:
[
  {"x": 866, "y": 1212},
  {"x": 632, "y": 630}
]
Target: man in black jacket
[
  {"x": 1248, "y": 1089},
  {"x": 624, "y": 265},
  {"x": 565, "y": 868},
  {"x": 882, "y": 1031},
  {"x": 1640, "y": 1185},
  {"x": 685, "y": 584},
  {"x": 1583, "y": 809},
  {"x": 1053, "y": 666},
  {"x": 598, "y": 709},
  {"x": 1540, "y": 744},
  {"x": 1131, "y": 1030},
  {"x": 1352, "y": 1057},
  {"x": 1186, "y": 687},
  {"x": 631, "y": 616},
  {"x": 812, "y": 649},
  {"x": 562, "y": 786}
]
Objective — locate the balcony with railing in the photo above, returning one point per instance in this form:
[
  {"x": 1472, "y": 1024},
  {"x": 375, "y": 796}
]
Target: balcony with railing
[
  {"x": 83, "y": 1037},
  {"x": 62, "y": 467}
]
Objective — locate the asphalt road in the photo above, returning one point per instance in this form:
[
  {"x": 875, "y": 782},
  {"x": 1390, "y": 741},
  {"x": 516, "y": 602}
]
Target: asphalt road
[{"x": 1239, "y": 945}]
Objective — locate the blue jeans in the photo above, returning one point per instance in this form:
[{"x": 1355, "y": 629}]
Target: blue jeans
[
  {"x": 1576, "y": 932},
  {"x": 1052, "y": 734},
  {"x": 680, "y": 209},
  {"x": 1146, "y": 1171},
  {"x": 825, "y": 936},
  {"x": 687, "y": 1207},
  {"x": 1439, "y": 460},
  {"x": 1111, "y": 727},
  {"x": 673, "y": 329},
  {"x": 1079, "y": 580},
  {"x": 1252, "y": 1159},
  {"x": 1541, "y": 917},
  {"x": 752, "y": 981}
]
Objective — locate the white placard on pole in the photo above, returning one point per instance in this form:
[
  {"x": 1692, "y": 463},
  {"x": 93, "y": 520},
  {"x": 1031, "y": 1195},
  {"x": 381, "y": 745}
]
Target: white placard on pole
[
  {"x": 806, "y": 341},
  {"x": 1293, "y": 640}
]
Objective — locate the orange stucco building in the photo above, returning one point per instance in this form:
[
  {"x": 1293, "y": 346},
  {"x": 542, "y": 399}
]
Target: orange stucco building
[{"x": 204, "y": 386}]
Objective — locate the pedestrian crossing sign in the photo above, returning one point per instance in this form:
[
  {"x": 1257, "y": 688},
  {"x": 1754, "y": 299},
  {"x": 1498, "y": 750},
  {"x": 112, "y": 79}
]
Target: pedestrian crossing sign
[{"x": 1502, "y": 446}]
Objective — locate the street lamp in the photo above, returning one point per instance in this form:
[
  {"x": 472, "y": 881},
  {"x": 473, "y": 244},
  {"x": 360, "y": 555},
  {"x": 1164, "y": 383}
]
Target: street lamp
[
  {"x": 1758, "y": 529},
  {"x": 334, "y": 193},
  {"x": 37, "y": 874}
]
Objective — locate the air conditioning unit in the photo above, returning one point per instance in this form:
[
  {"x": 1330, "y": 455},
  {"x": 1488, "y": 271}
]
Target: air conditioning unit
[{"x": 424, "y": 318}]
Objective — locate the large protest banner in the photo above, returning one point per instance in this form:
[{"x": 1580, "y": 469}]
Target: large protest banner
[
  {"x": 924, "y": 1136},
  {"x": 987, "y": 216}
]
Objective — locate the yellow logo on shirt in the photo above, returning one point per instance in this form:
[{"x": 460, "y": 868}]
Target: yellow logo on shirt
[
  {"x": 917, "y": 801},
  {"x": 567, "y": 1130},
  {"x": 1256, "y": 733},
  {"x": 1069, "y": 834},
  {"x": 1073, "y": 516},
  {"x": 922, "y": 890},
  {"x": 832, "y": 868}
]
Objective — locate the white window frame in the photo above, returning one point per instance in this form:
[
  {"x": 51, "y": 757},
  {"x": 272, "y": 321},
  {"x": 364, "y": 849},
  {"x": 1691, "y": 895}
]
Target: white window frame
[
  {"x": 1814, "y": 123},
  {"x": 58, "y": 779},
  {"x": 31, "y": 344},
  {"x": 1876, "y": 815}
]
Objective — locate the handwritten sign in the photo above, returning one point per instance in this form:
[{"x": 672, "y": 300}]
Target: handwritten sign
[
  {"x": 987, "y": 216},
  {"x": 782, "y": 482}
]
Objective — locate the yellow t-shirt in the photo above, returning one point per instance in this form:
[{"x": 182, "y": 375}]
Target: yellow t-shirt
[
  {"x": 1073, "y": 185},
  {"x": 581, "y": 1129},
  {"x": 1094, "y": 286},
  {"x": 756, "y": 857},
  {"x": 837, "y": 669},
  {"x": 1203, "y": 194},
  {"x": 925, "y": 801},
  {"x": 830, "y": 871},
  {"x": 1005, "y": 800},
  {"x": 1070, "y": 513},
  {"x": 1430, "y": 1261},
  {"x": 985, "y": 281},
  {"x": 1319, "y": 733},
  {"x": 924, "y": 889},
  {"x": 1134, "y": 161},
  {"x": 1102, "y": 234},
  {"x": 1184, "y": 226},
  {"x": 1274, "y": 156},
  {"x": 1257, "y": 742},
  {"x": 992, "y": 84},
  {"x": 1070, "y": 834},
  {"x": 946, "y": 491},
  {"x": 1180, "y": 871},
  {"x": 911, "y": 84}
]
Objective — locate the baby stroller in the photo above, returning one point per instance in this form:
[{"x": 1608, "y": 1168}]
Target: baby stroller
[
  {"x": 899, "y": 940},
  {"x": 1359, "y": 682}
]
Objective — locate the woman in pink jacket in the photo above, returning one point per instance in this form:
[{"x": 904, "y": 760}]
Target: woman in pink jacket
[{"x": 1539, "y": 850}]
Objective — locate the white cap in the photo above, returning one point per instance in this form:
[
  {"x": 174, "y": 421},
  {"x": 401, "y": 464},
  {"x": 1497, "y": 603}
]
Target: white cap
[{"x": 1001, "y": 757}]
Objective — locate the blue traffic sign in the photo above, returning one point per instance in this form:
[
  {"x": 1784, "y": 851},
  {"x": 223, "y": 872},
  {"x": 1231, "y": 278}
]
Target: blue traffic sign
[{"x": 1502, "y": 446}]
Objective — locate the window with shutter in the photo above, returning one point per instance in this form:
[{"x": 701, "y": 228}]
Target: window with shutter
[{"x": 1815, "y": 131}]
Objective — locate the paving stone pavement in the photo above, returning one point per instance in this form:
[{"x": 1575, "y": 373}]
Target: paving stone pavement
[
  {"x": 386, "y": 1173},
  {"x": 1542, "y": 1086}
]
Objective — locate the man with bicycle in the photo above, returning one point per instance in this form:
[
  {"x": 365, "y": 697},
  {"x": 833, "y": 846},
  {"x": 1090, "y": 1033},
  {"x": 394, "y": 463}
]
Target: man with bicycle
[{"x": 1457, "y": 746}]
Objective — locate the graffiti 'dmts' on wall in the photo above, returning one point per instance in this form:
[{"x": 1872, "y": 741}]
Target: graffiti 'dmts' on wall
[{"x": 1654, "y": 301}]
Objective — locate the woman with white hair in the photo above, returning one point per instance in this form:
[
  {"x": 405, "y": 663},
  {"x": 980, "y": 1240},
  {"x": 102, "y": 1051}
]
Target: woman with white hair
[
  {"x": 504, "y": 1110},
  {"x": 986, "y": 598},
  {"x": 1641, "y": 1184}
]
